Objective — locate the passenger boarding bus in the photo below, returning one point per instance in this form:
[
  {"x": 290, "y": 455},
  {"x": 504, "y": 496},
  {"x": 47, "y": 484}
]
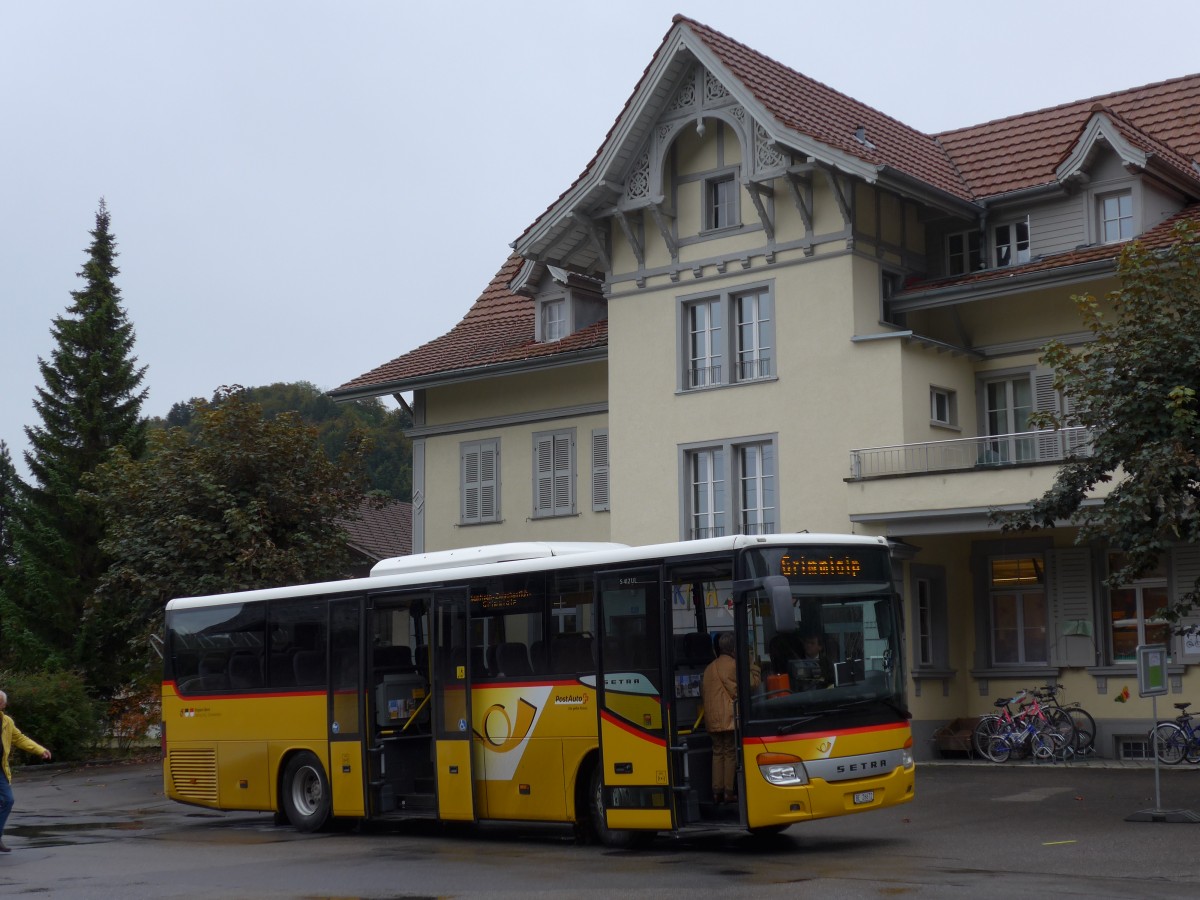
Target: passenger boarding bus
[{"x": 548, "y": 683}]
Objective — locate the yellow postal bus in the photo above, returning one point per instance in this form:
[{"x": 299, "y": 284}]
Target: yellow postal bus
[{"x": 550, "y": 683}]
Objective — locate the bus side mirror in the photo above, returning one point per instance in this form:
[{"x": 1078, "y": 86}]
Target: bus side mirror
[{"x": 780, "y": 594}]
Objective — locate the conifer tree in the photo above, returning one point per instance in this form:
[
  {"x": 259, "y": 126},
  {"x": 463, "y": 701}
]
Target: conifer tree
[{"x": 89, "y": 404}]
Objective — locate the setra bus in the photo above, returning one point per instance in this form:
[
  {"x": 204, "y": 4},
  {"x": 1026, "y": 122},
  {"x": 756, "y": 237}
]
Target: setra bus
[{"x": 549, "y": 683}]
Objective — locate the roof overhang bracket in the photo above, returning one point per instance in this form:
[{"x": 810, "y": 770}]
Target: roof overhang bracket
[
  {"x": 664, "y": 229},
  {"x": 638, "y": 250},
  {"x": 757, "y": 191},
  {"x": 800, "y": 184},
  {"x": 841, "y": 193},
  {"x": 596, "y": 238}
]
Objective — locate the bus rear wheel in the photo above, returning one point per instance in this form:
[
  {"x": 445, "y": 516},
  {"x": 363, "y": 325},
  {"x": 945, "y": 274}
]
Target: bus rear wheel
[{"x": 305, "y": 792}]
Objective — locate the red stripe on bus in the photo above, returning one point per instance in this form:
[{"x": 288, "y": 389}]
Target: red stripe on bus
[
  {"x": 808, "y": 735},
  {"x": 630, "y": 728}
]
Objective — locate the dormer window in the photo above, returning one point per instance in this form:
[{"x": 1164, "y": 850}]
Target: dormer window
[
  {"x": 1116, "y": 216},
  {"x": 554, "y": 320},
  {"x": 721, "y": 202},
  {"x": 964, "y": 253},
  {"x": 1012, "y": 244}
]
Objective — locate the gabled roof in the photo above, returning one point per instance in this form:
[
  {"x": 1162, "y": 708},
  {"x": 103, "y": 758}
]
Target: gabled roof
[
  {"x": 1023, "y": 151},
  {"x": 380, "y": 531},
  {"x": 498, "y": 329}
]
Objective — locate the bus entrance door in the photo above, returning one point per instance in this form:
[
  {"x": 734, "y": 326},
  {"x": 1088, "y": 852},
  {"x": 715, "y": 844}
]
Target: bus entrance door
[
  {"x": 451, "y": 661},
  {"x": 637, "y": 778}
]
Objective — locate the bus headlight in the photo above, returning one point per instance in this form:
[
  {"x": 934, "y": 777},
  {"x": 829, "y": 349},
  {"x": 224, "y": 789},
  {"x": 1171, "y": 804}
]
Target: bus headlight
[
  {"x": 782, "y": 768},
  {"x": 907, "y": 759}
]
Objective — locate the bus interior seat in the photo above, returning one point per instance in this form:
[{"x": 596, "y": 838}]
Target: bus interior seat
[
  {"x": 282, "y": 673},
  {"x": 493, "y": 667},
  {"x": 245, "y": 671},
  {"x": 394, "y": 659},
  {"x": 422, "y": 659},
  {"x": 537, "y": 657},
  {"x": 512, "y": 659},
  {"x": 697, "y": 648},
  {"x": 571, "y": 653},
  {"x": 307, "y": 636},
  {"x": 309, "y": 666},
  {"x": 187, "y": 665}
]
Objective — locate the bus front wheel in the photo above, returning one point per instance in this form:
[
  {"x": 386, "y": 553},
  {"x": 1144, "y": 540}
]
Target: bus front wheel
[
  {"x": 604, "y": 835},
  {"x": 305, "y": 792}
]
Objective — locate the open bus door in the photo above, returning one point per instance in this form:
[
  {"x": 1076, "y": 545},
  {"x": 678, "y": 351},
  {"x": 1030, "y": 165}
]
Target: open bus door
[
  {"x": 451, "y": 661},
  {"x": 635, "y": 761}
]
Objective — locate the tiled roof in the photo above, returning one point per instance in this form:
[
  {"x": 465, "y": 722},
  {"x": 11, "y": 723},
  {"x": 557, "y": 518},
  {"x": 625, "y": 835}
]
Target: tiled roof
[
  {"x": 381, "y": 532},
  {"x": 1023, "y": 151},
  {"x": 1161, "y": 235},
  {"x": 818, "y": 111},
  {"x": 498, "y": 328}
]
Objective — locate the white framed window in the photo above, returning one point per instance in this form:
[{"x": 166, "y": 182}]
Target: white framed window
[
  {"x": 1018, "y": 612},
  {"x": 943, "y": 406},
  {"x": 964, "y": 253},
  {"x": 923, "y": 589},
  {"x": 1134, "y": 612},
  {"x": 1007, "y": 405},
  {"x": 554, "y": 473},
  {"x": 554, "y": 320},
  {"x": 479, "y": 481},
  {"x": 711, "y": 510},
  {"x": 721, "y": 208},
  {"x": 1115, "y": 213},
  {"x": 709, "y": 358},
  {"x": 1012, "y": 243},
  {"x": 752, "y": 313},
  {"x": 600, "y": 484},
  {"x": 705, "y": 344}
]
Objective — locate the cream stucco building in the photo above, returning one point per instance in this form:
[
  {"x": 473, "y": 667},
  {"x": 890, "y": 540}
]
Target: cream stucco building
[{"x": 765, "y": 306}]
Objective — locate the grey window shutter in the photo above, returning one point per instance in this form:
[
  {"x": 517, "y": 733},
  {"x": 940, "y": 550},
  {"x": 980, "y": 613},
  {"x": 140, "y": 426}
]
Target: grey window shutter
[
  {"x": 1046, "y": 399},
  {"x": 600, "y": 496},
  {"x": 564, "y": 453},
  {"x": 489, "y": 507},
  {"x": 1072, "y": 614},
  {"x": 1185, "y": 569},
  {"x": 470, "y": 483}
]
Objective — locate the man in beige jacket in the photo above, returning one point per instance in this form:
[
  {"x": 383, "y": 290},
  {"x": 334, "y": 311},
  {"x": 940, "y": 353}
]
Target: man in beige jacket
[
  {"x": 10, "y": 736},
  {"x": 718, "y": 689}
]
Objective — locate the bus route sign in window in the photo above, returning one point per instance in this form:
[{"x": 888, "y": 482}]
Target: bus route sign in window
[{"x": 822, "y": 565}]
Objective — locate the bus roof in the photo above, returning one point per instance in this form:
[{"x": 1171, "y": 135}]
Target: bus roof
[
  {"x": 607, "y": 556},
  {"x": 480, "y": 556}
]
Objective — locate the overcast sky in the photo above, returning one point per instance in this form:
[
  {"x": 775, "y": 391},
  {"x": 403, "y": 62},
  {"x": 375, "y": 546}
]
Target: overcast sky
[{"x": 304, "y": 190}]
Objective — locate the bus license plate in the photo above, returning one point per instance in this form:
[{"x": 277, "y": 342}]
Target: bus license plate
[{"x": 864, "y": 797}]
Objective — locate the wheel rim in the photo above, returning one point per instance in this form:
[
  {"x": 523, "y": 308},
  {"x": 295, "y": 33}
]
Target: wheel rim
[{"x": 306, "y": 791}]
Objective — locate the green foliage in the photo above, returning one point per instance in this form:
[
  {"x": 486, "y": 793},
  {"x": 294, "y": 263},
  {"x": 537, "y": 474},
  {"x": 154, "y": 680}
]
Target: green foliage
[
  {"x": 89, "y": 404},
  {"x": 244, "y": 502},
  {"x": 1133, "y": 385},
  {"x": 54, "y": 709},
  {"x": 388, "y": 462}
]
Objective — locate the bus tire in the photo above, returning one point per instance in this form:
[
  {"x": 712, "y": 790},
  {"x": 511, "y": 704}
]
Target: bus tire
[
  {"x": 604, "y": 835},
  {"x": 305, "y": 794}
]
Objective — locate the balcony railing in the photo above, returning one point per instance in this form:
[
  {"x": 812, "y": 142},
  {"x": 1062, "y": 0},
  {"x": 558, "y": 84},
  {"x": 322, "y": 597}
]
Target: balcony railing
[{"x": 984, "y": 452}]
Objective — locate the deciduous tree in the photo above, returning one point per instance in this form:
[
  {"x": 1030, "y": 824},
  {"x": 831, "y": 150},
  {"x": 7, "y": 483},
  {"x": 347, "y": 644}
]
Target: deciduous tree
[
  {"x": 241, "y": 502},
  {"x": 1134, "y": 386}
]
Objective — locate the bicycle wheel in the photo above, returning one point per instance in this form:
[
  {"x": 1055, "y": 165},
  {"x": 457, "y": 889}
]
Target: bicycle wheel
[
  {"x": 1045, "y": 742},
  {"x": 1169, "y": 742},
  {"x": 998, "y": 747},
  {"x": 1085, "y": 729},
  {"x": 1192, "y": 753},
  {"x": 1065, "y": 733},
  {"x": 982, "y": 735}
]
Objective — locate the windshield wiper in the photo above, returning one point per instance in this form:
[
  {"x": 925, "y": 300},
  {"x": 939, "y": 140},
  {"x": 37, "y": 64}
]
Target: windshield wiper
[{"x": 791, "y": 726}]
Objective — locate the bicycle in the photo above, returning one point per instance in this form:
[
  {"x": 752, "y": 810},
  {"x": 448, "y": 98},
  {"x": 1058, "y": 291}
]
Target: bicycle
[
  {"x": 1081, "y": 719},
  {"x": 1178, "y": 740},
  {"x": 999, "y": 736}
]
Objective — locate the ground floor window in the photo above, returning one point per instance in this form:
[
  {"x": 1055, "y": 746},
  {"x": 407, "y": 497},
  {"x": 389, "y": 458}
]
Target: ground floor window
[
  {"x": 1017, "y": 596},
  {"x": 1134, "y": 609}
]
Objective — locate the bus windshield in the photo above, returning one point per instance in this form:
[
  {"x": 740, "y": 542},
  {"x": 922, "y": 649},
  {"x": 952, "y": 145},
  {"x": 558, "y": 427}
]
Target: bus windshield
[{"x": 841, "y": 650}]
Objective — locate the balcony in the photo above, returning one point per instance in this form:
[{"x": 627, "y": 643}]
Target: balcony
[{"x": 970, "y": 454}]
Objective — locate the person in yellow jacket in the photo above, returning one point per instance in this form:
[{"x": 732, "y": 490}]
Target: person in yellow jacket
[
  {"x": 10, "y": 736},
  {"x": 718, "y": 689}
]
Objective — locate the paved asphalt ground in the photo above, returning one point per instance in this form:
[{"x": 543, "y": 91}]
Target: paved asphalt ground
[{"x": 976, "y": 829}]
